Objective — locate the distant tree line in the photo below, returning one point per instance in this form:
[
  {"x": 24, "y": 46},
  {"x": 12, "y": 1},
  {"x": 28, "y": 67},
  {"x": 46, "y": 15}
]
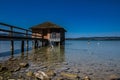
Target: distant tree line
[{"x": 94, "y": 38}]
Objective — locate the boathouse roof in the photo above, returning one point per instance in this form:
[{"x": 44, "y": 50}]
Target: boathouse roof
[{"x": 47, "y": 25}]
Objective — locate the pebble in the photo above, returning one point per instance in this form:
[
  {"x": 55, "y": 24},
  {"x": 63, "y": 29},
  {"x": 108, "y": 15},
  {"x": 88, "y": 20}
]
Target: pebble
[
  {"x": 17, "y": 69},
  {"x": 65, "y": 63},
  {"x": 63, "y": 71},
  {"x": 51, "y": 73},
  {"x": 69, "y": 75},
  {"x": 23, "y": 64},
  {"x": 87, "y": 78},
  {"x": 11, "y": 79},
  {"x": 41, "y": 75},
  {"x": 1, "y": 78},
  {"x": 29, "y": 74},
  {"x": 64, "y": 68}
]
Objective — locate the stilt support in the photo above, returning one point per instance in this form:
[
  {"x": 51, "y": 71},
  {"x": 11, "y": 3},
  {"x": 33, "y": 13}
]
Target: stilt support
[
  {"x": 22, "y": 47},
  {"x": 12, "y": 48}
]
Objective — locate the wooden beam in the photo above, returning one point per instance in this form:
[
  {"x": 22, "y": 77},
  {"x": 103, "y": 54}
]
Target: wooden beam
[
  {"x": 12, "y": 48},
  {"x": 22, "y": 47}
]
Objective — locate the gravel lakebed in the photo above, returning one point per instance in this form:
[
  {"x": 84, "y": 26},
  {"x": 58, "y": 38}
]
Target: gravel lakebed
[{"x": 22, "y": 69}]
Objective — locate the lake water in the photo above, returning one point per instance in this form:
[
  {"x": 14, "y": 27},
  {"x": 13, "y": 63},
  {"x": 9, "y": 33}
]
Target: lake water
[
  {"x": 5, "y": 48},
  {"x": 77, "y": 51},
  {"x": 99, "y": 57},
  {"x": 99, "y": 51}
]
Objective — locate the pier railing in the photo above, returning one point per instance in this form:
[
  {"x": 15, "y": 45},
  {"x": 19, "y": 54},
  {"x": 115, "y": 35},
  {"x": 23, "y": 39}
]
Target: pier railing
[
  {"x": 12, "y": 33},
  {"x": 9, "y": 31}
]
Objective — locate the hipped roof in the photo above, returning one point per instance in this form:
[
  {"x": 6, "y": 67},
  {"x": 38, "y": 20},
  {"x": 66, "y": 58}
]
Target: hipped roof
[{"x": 47, "y": 25}]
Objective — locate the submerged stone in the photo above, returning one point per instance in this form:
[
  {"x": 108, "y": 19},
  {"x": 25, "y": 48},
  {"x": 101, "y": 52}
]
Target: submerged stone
[
  {"x": 114, "y": 77},
  {"x": 1, "y": 78},
  {"x": 11, "y": 79},
  {"x": 69, "y": 75},
  {"x": 29, "y": 74},
  {"x": 41, "y": 75},
  {"x": 22, "y": 65},
  {"x": 3, "y": 68},
  {"x": 51, "y": 73},
  {"x": 14, "y": 69},
  {"x": 86, "y": 78}
]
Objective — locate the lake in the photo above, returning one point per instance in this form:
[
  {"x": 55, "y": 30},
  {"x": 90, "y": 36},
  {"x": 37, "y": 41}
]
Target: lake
[
  {"x": 96, "y": 51},
  {"x": 5, "y": 48},
  {"x": 99, "y": 59}
]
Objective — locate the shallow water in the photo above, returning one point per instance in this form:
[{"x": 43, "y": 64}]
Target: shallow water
[
  {"x": 5, "y": 49},
  {"x": 98, "y": 51},
  {"x": 75, "y": 51},
  {"x": 98, "y": 59}
]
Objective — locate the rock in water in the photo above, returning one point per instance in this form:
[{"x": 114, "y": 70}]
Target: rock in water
[
  {"x": 11, "y": 79},
  {"x": 3, "y": 68},
  {"x": 87, "y": 78},
  {"x": 29, "y": 73},
  {"x": 69, "y": 75},
  {"x": 114, "y": 77},
  {"x": 1, "y": 78},
  {"x": 41, "y": 75},
  {"x": 50, "y": 73},
  {"x": 22, "y": 65}
]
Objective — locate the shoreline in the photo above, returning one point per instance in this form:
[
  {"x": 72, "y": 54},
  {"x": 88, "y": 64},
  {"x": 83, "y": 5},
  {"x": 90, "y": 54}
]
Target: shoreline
[
  {"x": 75, "y": 64},
  {"x": 55, "y": 70}
]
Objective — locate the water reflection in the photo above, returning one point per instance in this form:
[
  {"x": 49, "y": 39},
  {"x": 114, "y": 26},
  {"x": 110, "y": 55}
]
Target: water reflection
[{"x": 46, "y": 54}]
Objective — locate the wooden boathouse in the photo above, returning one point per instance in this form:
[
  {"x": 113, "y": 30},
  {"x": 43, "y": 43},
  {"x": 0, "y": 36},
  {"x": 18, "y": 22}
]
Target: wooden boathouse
[{"x": 52, "y": 33}]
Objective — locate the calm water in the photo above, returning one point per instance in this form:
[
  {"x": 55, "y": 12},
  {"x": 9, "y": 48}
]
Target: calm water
[
  {"x": 98, "y": 59},
  {"x": 76, "y": 51},
  {"x": 100, "y": 51},
  {"x": 5, "y": 48}
]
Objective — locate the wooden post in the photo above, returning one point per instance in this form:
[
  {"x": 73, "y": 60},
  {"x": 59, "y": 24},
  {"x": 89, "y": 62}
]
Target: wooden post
[
  {"x": 59, "y": 44},
  {"x": 22, "y": 47},
  {"x": 27, "y": 45},
  {"x": 42, "y": 38},
  {"x": 27, "y": 39},
  {"x": 37, "y": 44},
  {"x": 34, "y": 44},
  {"x": 12, "y": 42},
  {"x": 12, "y": 48}
]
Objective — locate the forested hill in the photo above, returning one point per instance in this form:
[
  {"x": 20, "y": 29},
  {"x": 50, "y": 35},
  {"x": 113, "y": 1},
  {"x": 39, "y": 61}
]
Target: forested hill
[{"x": 94, "y": 38}]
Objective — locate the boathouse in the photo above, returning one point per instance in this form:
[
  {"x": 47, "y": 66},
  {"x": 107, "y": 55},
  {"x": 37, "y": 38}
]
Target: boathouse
[{"x": 51, "y": 33}]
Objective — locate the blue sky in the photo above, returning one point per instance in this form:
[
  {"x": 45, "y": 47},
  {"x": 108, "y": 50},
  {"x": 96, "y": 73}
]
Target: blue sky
[{"x": 81, "y": 18}]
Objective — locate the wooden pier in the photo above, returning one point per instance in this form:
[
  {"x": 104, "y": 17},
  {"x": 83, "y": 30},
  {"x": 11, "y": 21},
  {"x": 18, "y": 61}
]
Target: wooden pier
[{"x": 13, "y": 33}]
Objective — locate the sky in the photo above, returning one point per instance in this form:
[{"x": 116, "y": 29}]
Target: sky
[{"x": 81, "y": 18}]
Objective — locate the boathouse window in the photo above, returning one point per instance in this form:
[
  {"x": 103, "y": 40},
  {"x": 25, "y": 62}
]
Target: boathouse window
[{"x": 55, "y": 35}]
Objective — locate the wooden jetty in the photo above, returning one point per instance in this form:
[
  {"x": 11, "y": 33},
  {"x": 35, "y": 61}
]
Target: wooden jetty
[
  {"x": 13, "y": 33},
  {"x": 47, "y": 33}
]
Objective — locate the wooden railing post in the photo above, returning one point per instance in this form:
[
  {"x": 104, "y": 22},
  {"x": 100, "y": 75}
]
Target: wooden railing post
[
  {"x": 12, "y": 48},
  {"x": 27, "y": 45},
  {"x": 22, "y": 47},
  {"x": 42, "y": 38},
  {"x": 12, "y": 42}
]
